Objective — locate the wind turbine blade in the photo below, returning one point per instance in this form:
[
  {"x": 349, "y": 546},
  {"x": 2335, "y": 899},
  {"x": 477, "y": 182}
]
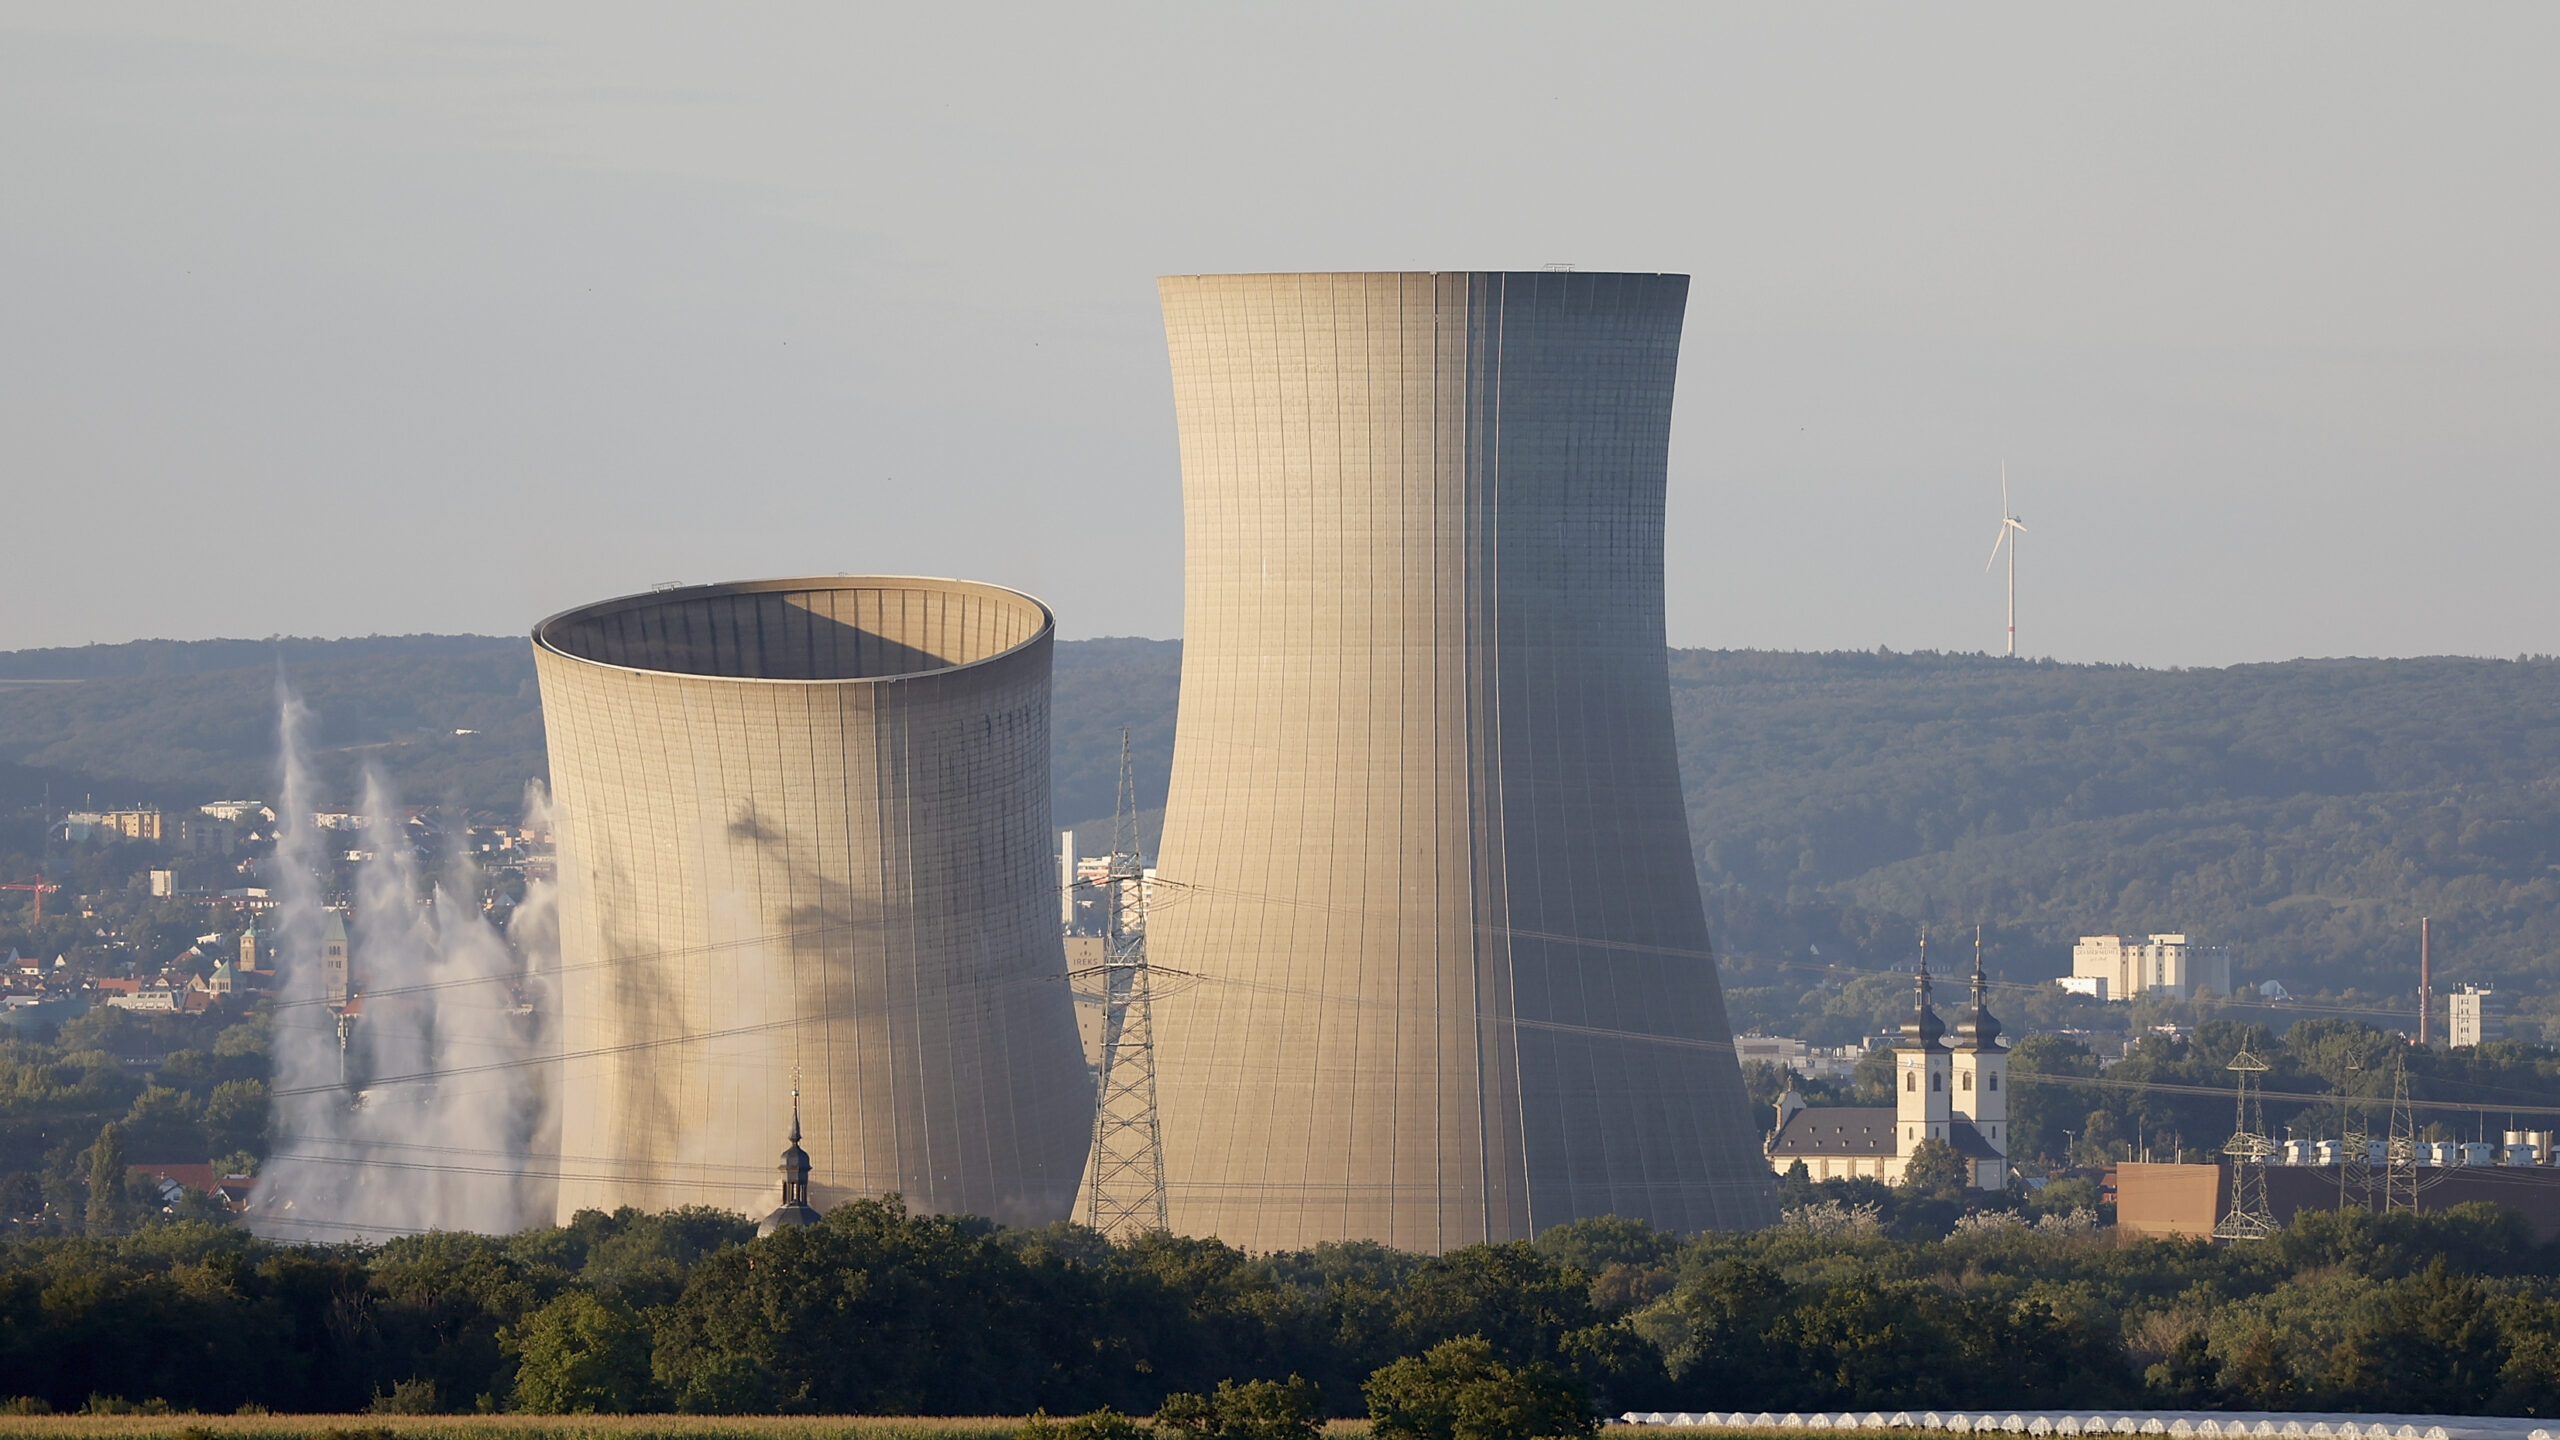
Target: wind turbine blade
[
  {"x": 2002, "y": 539},
  {"x": 2016, "y": 524}
]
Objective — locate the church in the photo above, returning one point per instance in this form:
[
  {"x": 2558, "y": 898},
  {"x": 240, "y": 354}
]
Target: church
[{"x": 1950, "y": 1087}]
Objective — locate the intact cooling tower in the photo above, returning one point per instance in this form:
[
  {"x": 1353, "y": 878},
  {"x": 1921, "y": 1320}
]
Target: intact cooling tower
[
  {"x": 804, "y": 828},
  {"x": 1425, "y": 841}
]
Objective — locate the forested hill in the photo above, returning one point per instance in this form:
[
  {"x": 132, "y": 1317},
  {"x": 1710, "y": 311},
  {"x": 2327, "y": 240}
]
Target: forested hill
[
  {"x": 187, "y": 721},
  {"x": 2305, "y": 813},
  {"x": 179, "y": 722}
]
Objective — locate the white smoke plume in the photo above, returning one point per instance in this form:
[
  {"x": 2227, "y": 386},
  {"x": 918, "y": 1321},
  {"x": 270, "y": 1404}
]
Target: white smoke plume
[{"x": 423, "y": 1110}]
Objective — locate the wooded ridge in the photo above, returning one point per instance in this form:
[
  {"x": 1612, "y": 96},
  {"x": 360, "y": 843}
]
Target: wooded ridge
[{"x": 2304, "y": 813}]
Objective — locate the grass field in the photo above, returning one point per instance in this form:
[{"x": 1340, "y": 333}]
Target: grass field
[{"x": 530, "y": 1427}]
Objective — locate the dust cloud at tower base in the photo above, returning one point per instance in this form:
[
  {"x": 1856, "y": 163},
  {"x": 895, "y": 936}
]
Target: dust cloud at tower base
[
  {"x": 1425, "y": 828},
  {"x": 804, "y": 833}
]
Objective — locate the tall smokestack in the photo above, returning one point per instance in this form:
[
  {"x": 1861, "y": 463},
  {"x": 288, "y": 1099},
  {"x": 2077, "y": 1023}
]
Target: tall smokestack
[{"x": 2426, "y": 989}]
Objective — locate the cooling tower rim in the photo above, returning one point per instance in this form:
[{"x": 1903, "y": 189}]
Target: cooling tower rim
[
  {"x": 1418, "y": 274},
  {"x": 676, "y": 593}
]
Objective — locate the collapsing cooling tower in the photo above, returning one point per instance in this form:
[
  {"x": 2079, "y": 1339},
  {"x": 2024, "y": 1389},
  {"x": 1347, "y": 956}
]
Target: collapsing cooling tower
[
  {"x": 804, "y": 829},
  {"x": 1425, "y": 840}
]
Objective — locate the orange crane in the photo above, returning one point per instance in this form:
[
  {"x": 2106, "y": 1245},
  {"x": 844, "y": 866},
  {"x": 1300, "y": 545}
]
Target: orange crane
[{"x": 39, "y": 886}]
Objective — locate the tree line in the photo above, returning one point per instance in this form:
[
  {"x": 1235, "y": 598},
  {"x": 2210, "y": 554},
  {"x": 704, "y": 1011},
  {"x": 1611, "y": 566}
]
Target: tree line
[
  {"x": 1926, "y": 1299},
  {"x": 875, "y": 1311},
  {"x": 65, "y": 1101}
]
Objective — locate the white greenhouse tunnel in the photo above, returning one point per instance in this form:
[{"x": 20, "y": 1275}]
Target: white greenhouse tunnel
[{"x": 2122, "y": 1422}]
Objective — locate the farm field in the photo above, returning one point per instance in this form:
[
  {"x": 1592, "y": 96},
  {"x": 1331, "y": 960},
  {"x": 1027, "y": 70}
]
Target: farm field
[
  {"x": 507, "y": 1427},
  {"x": 545, "y": 1427}
]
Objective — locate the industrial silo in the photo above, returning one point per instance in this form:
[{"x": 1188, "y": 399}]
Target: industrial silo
[
  {"x": 1425, "y": 847},
  {"x": 804, "y": 838}
]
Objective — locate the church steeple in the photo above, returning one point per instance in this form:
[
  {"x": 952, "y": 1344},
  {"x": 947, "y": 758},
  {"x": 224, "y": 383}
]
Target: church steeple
[
  {"x": 795, "y": 1167},
  {"x": 1924, "y": 1029},
  {"x": 1981, "y": 1029},
  {"x": 1923, "y": 1070},
  {"x": 1981, "y": 1078}
]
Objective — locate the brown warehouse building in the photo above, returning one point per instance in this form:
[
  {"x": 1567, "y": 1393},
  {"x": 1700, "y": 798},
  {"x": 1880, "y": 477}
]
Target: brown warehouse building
[{"x": 2165, "y": 1200}]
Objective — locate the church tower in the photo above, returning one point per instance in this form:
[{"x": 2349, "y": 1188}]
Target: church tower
[
  {"x": 795, "y": 1211},
  {"x": 1981, "y": 1074},
  {"x": 1923, "y": 1070},
  {"x": 335, "y": 982}
]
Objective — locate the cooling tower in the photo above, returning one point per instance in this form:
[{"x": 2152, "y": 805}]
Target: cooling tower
[
  {"x": 1425, "y": 840},
  {"x": 804, "y": 829}
]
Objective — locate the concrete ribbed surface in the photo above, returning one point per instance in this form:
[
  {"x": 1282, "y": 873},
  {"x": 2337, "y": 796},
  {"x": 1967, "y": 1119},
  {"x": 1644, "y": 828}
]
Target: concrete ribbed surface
[
  {"x": 1425, "y": 835},
  {"x": 805, "y": 824}
]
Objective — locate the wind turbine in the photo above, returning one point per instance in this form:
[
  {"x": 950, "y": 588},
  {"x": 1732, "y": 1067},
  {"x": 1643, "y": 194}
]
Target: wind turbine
[{"x": 2011, "y": 527}]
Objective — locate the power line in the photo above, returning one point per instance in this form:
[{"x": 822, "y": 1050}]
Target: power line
[
  {"x": 988, "y": 988},
  {"x": 2297, "y": 1097},
  {"x": 531, "y": 1171},
  {"x": 1175, "y": 888},
  {"x": 427, "y": 1077},
  {"x": 490, "y": 1153}
]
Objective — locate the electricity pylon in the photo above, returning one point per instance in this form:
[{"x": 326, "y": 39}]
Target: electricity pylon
[
  {"x": 1124, "y": 1176},
  {"x": 2355, "y": 1149},
  {"x": 2400, "y": 1176},
  {"x": 2250, "y": 1216}
]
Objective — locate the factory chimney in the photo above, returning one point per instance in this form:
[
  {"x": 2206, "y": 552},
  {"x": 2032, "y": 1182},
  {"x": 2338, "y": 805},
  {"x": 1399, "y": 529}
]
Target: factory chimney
[{"x": 2426, "y": 989}]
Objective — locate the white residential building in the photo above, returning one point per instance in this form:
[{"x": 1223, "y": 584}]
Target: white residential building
[
  {"x": 237, "y": 811},
  {"x": 1814, "y": 1062},
  {"x": 1769, "y": 1050}
]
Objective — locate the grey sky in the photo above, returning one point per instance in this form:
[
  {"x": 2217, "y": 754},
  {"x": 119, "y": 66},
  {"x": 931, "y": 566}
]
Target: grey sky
[{"x": 331, "y": 319}]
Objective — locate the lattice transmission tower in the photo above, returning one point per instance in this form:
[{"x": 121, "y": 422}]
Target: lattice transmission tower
[
  {"x": 2400, "y": 1173},
  {"x": 2250, "y": 1216},
  {"x": 1124, "y": 1177},
  {"x": 2355, "y": 1147}
]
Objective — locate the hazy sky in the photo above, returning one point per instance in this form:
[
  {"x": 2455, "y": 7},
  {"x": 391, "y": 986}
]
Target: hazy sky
[{"x": 334, "y": 319}]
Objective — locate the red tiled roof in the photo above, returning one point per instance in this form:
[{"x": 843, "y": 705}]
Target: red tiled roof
[{"x": 194, "y": 1177}]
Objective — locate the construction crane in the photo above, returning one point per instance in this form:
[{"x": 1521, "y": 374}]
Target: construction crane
[{"x": 40, "y": 886}]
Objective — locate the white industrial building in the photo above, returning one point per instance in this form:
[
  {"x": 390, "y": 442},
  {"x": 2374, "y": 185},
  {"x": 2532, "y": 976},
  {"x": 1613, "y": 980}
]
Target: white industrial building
[
  {"x": 2474, "y": 1013},
  {"x": 2126, "y": 967}
]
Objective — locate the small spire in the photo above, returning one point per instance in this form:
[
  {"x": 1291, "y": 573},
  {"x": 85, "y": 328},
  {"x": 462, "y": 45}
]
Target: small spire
[
  {"x": 1924, "y": 1028},
  {"x": 795, "y": 1211},
  {"x": 1981, "y": 1029}
]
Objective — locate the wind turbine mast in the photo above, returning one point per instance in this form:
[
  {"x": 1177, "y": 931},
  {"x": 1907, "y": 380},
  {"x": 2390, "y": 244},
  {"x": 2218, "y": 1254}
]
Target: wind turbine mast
[{"x": 2011, "y": 527}]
